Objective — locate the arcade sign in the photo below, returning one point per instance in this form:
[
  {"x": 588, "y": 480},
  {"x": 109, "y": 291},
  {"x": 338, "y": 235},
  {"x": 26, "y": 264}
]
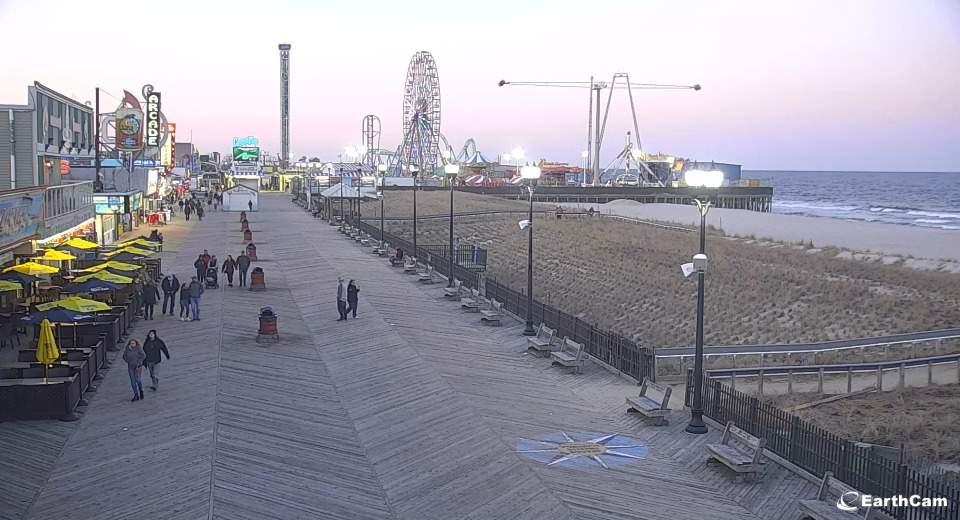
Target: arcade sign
[{"x": 153, "y": 120}]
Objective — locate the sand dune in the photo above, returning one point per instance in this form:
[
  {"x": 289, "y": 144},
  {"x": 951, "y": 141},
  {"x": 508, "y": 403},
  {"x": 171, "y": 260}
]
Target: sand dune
[{"x": 886, "y": 239}]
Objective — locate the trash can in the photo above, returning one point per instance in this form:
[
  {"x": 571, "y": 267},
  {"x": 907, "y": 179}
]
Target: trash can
[
  {"x": 268, "y": 324},
  {"x": 244, "y": 225},
  {"x": 247, "y": 235},
  {"x": 257, "y": 280},
  {"x": 243, "y": 216},
  {"x": 252, "y": 252}
]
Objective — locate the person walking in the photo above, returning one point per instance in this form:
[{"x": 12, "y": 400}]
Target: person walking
[
  {"x": 150, "y": 297},
  {"x": 341, "y": 299},
  {"x": 152, "y": 347},
  {"x": 184, "y": 302},
  {"x": 170, "y": 285},
  {"x": 250, "y": 204},
  {"x": 229, "y": 266},
  {"x": 352, "y": 291},
  {"x": 201, "y": 265},
  {"x": 243, "y": 263},
  {"x": 134, "y": 357},
  {"x": 187, "y": 210},
  {"x": 196, "y": 290},
  {"x": 200, "y": 212}
]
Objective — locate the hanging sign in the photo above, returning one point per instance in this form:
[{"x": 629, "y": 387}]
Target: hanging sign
[
  {"x": 129, "y": 129},
  {"x": 153, "y": 120}
]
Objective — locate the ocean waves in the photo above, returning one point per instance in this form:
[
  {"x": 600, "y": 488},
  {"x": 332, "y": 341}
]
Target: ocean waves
[{"x": 888, "y": 214}]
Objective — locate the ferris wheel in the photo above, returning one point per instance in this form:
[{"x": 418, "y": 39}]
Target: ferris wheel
[{"x": 421, "y": 115}]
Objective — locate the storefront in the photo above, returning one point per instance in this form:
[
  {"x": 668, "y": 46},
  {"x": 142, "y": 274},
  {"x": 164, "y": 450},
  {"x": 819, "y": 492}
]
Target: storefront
[{"x": 117, "y": 213}]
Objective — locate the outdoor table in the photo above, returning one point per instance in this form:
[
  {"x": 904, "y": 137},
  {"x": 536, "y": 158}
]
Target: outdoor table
[{"x": 40, "y": 397}]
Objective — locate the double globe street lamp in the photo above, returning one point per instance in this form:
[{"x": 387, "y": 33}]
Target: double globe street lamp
[
  {"x": 414, "y": 172},
  {"x": 711, "y": 179},
  {"x": 451, "y": 170},
  {"x": 382, "y": 169},
  {"x": 530, "y": 174}
]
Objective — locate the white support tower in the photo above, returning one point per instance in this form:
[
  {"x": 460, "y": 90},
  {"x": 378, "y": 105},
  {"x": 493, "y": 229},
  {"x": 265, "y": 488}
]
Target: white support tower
[{"x": 284, "y": 105}]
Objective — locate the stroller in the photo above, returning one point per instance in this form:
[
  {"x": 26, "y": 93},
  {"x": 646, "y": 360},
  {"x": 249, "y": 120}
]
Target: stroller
[{"x": 212, "y": 278}]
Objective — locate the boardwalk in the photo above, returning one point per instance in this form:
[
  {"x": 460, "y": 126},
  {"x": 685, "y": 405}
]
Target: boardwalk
[{"x": 413, "y": 411}]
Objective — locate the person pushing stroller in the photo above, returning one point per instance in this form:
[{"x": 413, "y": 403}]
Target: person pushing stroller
[{"x": 212, "y": 276}]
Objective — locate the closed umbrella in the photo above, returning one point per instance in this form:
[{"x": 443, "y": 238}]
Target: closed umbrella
[
  {"x": 76, "y": 304},
  {"x": 32, "y": 268},
  {"x": 47, "y": 351}
]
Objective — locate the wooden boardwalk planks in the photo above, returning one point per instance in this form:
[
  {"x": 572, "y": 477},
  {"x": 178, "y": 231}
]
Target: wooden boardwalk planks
[{"x": 413, "y": 411}]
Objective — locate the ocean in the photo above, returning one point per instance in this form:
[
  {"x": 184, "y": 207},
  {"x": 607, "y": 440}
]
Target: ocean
[{"x": 913, "y": 199}]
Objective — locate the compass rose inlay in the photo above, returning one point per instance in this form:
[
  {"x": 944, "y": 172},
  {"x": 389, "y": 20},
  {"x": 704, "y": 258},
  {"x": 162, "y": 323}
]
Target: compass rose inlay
[{"x": 583, "y": 449}]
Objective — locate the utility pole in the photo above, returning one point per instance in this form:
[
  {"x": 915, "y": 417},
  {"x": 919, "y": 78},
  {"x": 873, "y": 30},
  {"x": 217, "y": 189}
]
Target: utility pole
[{"x": 96, "y": 141}]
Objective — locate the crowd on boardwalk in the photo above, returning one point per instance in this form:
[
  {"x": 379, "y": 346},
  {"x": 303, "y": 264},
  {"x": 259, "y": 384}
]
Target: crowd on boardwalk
[{"x": 172, "y": 290}]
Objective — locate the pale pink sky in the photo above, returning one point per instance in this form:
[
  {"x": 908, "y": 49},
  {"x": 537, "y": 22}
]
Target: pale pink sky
[{"x": 787, "y": 84}]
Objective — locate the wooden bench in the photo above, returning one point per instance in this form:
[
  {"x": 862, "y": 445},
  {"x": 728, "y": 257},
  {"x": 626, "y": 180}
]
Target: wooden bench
[
  {"x": 824, "y": 506},
  {"x": 738, "y": 450},
  {"x": 492, "y": 315},
  {"x": 646, "y": 405},
  {"x": 453, "y": 292},
  {"x": 471, "y": 303},
  {"x": 570, "y": 355},
  {"x": 544, "y": 342},
  {"x": 426, "y": 276}
]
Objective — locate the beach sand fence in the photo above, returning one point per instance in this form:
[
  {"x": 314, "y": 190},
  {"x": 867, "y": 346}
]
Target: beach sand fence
[{"x": 816, "y": 451}]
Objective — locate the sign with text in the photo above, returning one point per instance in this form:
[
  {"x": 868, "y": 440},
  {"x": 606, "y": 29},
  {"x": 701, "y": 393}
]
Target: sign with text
[
  {"x": 129, "y": 129},
  {"x": 246, "y": 142},
  {"x": 20, "y": 215},
  {"x": 153, "y": 120}
]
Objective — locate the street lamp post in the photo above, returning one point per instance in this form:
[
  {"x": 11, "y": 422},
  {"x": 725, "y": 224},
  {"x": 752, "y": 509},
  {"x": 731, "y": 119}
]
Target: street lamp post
[
  {"x": 383, "y": 172},
  {"x": 415, "y": 171},
  {"x": 340, "y": 169},
  {"x": 531, "y": 174},
  {"x": 358, "y": 186},
  {"x": 704, "y": 179},
  {"x": 451, "y": 170}
]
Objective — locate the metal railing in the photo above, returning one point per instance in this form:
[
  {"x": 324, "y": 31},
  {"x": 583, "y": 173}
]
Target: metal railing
[
  {"x": 817, "y": 451},
  {"x": 621, "y": 354}
]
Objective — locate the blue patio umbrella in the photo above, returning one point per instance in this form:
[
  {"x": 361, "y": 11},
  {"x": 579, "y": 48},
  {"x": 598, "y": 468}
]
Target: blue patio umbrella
[
  {"x": 93, "y": 285},
  {"x": 24, "y": 279},
  {"x": 59, "y": 315}
]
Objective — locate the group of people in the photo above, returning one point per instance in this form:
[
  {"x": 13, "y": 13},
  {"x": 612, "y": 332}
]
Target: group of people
[
  {"x": 206, "y": 266},
  {"x": 148, "y": 356},
  {"x": 193, "y": 204},
  {"x": 347, "y": 298}
]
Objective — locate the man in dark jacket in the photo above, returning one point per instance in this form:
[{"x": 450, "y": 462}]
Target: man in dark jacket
[
  {"x": 170, "y": 285},
  {"x": 243, "y": 263},
  {"x": 201, "y": 266},
  {"x": 150, "y": 297},
  {"x": 196, "y": 290},
  {"x": 152, "y": 348}
]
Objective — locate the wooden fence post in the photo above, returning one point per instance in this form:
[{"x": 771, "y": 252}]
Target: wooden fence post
[
  {"x": 849, "y": 380},
  {"x": 879, "y": 379},
  {"x": 901, "y": 371},
  {"x": 789, "y": 382},
  {"x": 930, "y": 374},
  {"x": 820, "y": 381},
  {"x": 760, "y": 389},
  {"x": 733, "y": 380}
]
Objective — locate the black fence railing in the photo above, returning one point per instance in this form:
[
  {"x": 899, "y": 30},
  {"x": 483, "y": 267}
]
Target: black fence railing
[
  {"x": 818, "y": 451},
  {"x": 622, "y": 354}
]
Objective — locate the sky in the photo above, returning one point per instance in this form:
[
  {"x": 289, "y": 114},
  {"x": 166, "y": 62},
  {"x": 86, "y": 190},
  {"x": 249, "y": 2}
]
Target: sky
[{"x": 787, "y": 84}]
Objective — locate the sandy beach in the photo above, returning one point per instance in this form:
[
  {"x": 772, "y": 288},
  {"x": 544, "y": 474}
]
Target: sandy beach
[{"x": 873, "y": 237}]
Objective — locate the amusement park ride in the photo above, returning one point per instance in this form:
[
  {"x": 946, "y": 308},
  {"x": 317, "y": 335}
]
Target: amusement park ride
[{"x": 425, "y": 149}]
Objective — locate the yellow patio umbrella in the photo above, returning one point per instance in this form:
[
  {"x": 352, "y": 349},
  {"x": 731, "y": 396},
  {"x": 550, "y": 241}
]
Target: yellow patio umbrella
[
  {"x": 140, "y": 242},
  {"x": 106, "y": 276},
  {"x": 76, "y": 304},
  {"x": 80, "y": 243},
  {"x": 32, "y": 268},
  {"x": 53, "y": 254},
  {"x": 133, "y": 250},
  {"x": 47, "y": 351},
  {"x": 112, "y": 264},
  {"x": 10, "y": 285}
]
